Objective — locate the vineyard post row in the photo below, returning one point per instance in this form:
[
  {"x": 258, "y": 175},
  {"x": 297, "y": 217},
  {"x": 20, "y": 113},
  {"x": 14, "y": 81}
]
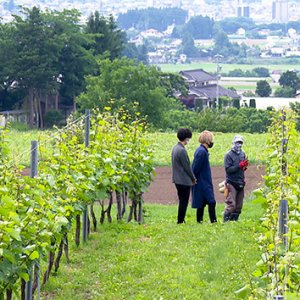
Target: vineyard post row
[
  {"x": 37, "y": 211},
  {"x": 33, "y": 174},
  {"x": 278, "y": 271}
]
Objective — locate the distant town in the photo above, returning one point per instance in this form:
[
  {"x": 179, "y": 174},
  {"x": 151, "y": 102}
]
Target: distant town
[{"x": 261, "y": 11}]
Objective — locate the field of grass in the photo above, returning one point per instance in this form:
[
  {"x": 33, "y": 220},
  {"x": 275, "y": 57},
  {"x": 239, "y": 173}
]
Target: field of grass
[
  {"x": 245, "y": 83},
  {"x": 253, "y": 147},
  {"x": 162, "y": 260},
  {"x": 211, "y": 67},
  {"x": 240, "y": 87},
  {"x": 162, "y": 142},
  {"x": 20, "y": 144}
]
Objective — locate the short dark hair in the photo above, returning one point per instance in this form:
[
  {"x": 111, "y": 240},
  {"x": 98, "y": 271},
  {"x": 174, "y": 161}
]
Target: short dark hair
[{"x": 184, "y": 133}]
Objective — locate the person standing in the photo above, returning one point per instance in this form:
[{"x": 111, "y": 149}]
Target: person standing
[
  {"x": 236, "y": 163},
  {"x": 202, "y": 191},
  {"x": 182, "y": 175}
]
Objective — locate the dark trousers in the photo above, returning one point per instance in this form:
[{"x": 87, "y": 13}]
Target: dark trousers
[
  {"x": 183, "y": 192},
  {"x": 234, "y": 200},
  {"x": 211, "y": 212}
]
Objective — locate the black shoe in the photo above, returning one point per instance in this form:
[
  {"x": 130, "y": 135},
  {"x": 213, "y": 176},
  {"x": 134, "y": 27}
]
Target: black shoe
[
  {"x": 227, "y": 217},
  {"x": 234, "y": 216},
  {"x": 181, "y": 222}
]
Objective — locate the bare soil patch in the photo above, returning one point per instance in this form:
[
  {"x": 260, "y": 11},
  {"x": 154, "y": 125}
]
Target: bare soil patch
[{"x": 163, "y": 191}]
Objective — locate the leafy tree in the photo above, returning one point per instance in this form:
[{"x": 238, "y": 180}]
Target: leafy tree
[
  {"x": 107, "y": 36},
  {"x": 236, "y": 73},
  {"x": 263, "y": 88},
  {"x": 290, "y": 79},
  {"x": 287, "y": 92},
  {"x": 174, "y": 83},
  {"x": 36, "y": 64},
  {"x": 140, "y": 53},
  {"x": 43, "y": 54},
  {"x": 158, "y": 19},
  {"x": 262, "y": 72},
  {"x": 188, "y": 46},
  {"x": 128, "y": 84},
  {"x": 200, "y": 27},
  {"x": 9, "y": 91},
  {"x": 221, "y": 40},
  {"x": 75, "y": 60},
  {"x": 231, "y": 25}
]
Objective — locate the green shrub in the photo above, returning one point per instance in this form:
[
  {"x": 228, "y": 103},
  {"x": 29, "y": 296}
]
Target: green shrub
[
  {"x": 284, "y": 92},
  {"x": 19, "y": 126},
  {"x": 54, "y": 117},
  {"x": 232, "y": 119}
]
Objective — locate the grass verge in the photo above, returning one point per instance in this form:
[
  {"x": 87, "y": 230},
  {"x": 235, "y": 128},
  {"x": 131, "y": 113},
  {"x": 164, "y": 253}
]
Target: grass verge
[{"x": 162, "y": 260}]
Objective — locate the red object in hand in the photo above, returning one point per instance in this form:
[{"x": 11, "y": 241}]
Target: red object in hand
[{"x": 244, "y": 164}]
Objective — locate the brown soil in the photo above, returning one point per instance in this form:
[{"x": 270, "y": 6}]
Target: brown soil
[{"x": 163, "y": 191}]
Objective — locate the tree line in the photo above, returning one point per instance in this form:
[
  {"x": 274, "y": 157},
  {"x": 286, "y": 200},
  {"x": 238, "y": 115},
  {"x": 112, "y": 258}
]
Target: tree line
[
  {"x": 45, "y": 56},
  {"x": 51, "y": 58},
  {"x": 289, "y": 83}
]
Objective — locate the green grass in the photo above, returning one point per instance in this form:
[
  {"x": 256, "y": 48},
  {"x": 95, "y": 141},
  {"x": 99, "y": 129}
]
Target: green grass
[
  {"x": 162, "y": 260},
  {"x": 20, "y": 145},
  {"x": 240, "y": 87},
  {"x": 253, "y": 147},
  {"x": 211, "y": 67},
  {"x": 162, "y": 142}
]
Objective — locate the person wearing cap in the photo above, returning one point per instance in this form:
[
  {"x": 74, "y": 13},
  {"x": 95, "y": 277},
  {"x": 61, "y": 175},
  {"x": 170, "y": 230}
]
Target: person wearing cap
[
  {"x": 202, "y": 191},
  {"x": 182, "y": 174},
  {"x": 236, "y": 163}
]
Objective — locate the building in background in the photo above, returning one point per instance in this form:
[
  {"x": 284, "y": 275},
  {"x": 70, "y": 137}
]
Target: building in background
[
  {"x": 243, "y": 8},
  {"x": 280, "y": 12}
]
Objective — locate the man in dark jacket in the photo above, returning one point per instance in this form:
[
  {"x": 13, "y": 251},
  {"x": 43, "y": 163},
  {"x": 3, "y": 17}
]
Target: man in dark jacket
[
  {"x": 203, "y": 192},
  {"x": 236, "y": 163},
  {"x": 182, "y": 174}
]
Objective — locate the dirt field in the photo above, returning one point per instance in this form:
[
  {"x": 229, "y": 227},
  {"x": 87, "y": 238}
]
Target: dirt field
[{"x": 163, "y": 191}]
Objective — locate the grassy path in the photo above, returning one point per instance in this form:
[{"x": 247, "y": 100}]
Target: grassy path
[{"x": 161, "y": 260}]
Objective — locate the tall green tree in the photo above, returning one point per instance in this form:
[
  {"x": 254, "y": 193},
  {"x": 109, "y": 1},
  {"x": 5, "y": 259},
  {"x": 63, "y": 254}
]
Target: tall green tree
[
  {"x": 75, "y": 59},
  {"x": 46, "y": 55},
  {"x": 140, "y": 53},
  {"x": 36, "y": 64},
  {"x": 126, "y": 83},
  {"x": 263, "y": 88},
  {"x": 290, "y": 79},
  {"x": 157, "y": 18},
  {"x": 9, "y": 89},
  {"x": 108, "y": 38},
  {"x": 188, "y": 45},
  {"x": 221, "y": 40},
  {"x": 200, "y": 27}
]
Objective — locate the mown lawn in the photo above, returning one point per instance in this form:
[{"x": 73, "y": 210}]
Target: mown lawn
[{"x": 162, "y": 260}]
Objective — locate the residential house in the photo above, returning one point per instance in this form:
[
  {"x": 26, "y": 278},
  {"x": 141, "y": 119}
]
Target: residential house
[
  {"x": 275, "y": 75},
  {"x": 203, "y": 87}
]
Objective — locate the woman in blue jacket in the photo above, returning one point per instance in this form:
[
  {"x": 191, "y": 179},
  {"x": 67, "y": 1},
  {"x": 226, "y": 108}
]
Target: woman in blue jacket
[{"x": 202, "y": 191}]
